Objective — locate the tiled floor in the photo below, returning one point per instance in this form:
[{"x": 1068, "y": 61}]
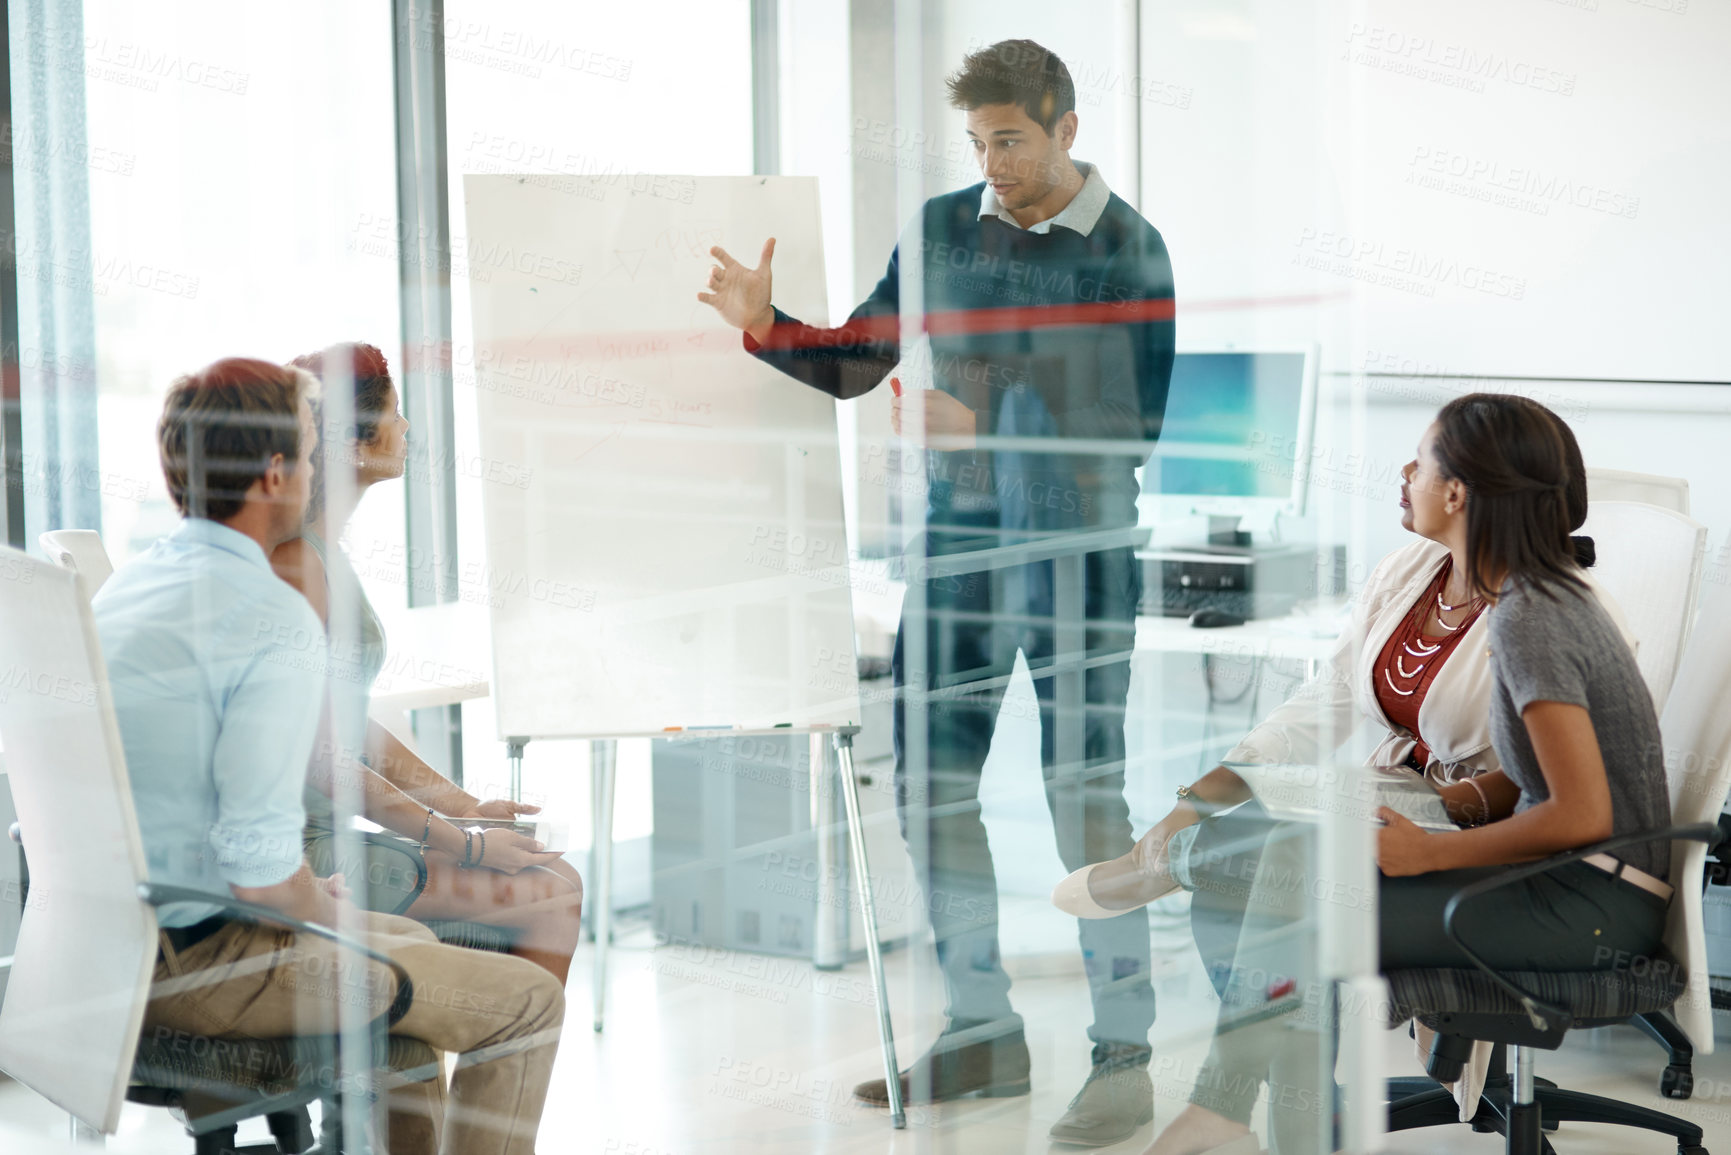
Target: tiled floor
[{"x": 712, "y": 1052}]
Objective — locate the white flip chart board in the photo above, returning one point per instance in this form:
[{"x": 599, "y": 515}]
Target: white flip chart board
[{"x": 664, "y": 530}]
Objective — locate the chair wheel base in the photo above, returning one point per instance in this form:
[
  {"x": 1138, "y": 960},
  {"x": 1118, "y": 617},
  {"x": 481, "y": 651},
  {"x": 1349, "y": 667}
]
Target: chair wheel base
[
  {"x": 223, "y": 1142},
  {"x": 292, "y": 1130},
  {"x": 1677, "y": 1082},
  {"x": 215, "y": 1142}
]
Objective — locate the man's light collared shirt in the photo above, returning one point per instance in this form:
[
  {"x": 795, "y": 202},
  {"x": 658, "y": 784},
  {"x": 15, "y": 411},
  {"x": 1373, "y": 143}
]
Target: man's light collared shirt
[
  {"x": 1080, "y": 215},
  {"x": 217, "y": 669}
]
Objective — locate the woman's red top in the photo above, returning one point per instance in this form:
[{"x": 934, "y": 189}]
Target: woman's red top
[{"x": 1410, "y": 662}]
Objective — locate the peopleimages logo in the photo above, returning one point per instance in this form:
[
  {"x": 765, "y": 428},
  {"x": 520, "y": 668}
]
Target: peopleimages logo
[
  {"x": 1453, "y": 65},
  {"x": 1399, "y": 267},
  {"x": 1515, "y": 186},
  {"x": 59, "y": 687}
]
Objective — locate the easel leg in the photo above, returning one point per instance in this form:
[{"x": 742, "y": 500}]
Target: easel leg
[
  {"x": 514, "y": 759},
  {"x": 869, "y": 915},
  {"x": 829, "y": 940},
  {"x": 603, "y": 768},
  {"x": 1070, "y": 735}
]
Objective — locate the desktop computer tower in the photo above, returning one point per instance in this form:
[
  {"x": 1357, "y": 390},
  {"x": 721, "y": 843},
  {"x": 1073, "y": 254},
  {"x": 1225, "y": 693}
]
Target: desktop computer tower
[
  {"x": 717, "y": 801},
  {"x": 1251, "y": 581}
]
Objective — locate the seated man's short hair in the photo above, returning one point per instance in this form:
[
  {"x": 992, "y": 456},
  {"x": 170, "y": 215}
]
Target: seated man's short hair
[{"x": 221, "y": 426}]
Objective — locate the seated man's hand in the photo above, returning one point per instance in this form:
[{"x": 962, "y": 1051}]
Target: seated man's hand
[
  {"x": 509, "y": 852},
  {"x": 335, "y": 886},
  {"x": 500, "y": 808},
  {"x": 949, "y": 423},
  {"x": 303, "y": 895}
]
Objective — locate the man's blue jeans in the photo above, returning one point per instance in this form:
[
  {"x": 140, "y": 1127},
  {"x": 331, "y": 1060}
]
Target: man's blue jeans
[{"x": 974, "y": 626}]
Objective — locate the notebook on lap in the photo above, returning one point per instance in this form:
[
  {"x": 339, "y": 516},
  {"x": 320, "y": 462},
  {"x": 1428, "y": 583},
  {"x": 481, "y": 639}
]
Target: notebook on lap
[{"x": 1305, "y": 793}]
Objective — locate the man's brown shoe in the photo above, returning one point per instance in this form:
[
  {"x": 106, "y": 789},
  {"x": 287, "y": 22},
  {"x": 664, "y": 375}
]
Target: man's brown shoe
[
  {"x": 962, "y": 1062},
  {"x": 1116, "y": 1099}
]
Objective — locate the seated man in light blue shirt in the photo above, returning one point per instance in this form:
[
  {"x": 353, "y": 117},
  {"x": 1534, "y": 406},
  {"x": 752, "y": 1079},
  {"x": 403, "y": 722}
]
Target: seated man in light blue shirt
[{"x": 217, "y": 670}]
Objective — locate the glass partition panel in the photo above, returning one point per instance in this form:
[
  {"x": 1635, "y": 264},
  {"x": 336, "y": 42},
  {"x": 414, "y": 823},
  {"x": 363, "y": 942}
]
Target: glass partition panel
[{"x": 1021, "y": 573}]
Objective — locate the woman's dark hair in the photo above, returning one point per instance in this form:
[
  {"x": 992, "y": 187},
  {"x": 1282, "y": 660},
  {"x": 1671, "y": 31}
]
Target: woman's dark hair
[
  {"x": 1576, "y": 494},
  {"x": 1526, "y": 489},
  {"x": 363, "y": 369}
]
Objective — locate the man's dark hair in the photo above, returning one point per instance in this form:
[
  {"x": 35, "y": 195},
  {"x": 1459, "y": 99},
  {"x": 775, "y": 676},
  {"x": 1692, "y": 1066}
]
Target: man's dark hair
[
  {"x": 1017, "y": 72},
  {"x": 221, "y": 426},
  {"x": 1513, "y": 455},
  {"x": 364, "y": 372}
]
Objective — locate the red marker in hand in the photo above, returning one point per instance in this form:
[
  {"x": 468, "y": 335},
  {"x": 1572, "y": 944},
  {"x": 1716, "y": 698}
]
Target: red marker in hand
[{"x": 896, "y": 385}]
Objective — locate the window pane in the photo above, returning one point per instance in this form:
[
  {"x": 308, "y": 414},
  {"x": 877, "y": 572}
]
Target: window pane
[{"x": 246, "y": 205}]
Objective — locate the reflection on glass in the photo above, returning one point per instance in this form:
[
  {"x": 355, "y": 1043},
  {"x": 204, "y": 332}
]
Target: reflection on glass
[{"x": 812, "y": 386}]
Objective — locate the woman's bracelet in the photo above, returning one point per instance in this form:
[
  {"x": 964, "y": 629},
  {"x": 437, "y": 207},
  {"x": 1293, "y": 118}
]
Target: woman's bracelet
[
  {"x": 481, "y": 834},
  {"x": 1484, "y": 802},
  {"x": 468, "y": 845},
  {"x": 427, "y": 830}
]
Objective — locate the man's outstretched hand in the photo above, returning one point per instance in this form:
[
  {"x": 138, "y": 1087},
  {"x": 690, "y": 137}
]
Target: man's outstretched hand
[{"x": 741, "y": 295}]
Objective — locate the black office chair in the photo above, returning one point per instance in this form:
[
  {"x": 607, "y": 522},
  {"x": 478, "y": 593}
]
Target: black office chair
[
  {"x": 212, "y": 1085},
  {"x": 1524, "y": 1010},
  {"x": 81, "y": 976},
  {"x": 450, "y": 931}
]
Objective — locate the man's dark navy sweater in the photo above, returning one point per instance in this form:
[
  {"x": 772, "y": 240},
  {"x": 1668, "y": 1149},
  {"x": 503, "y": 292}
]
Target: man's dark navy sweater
[{"x": 1048, "y": 337}]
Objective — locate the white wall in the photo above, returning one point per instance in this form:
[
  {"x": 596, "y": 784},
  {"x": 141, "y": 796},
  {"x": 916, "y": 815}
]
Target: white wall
[
  {"x": 1674, "y": 430},
  {"x": 1522, "y": 187},
  {"x": 1275, "y": 132}
]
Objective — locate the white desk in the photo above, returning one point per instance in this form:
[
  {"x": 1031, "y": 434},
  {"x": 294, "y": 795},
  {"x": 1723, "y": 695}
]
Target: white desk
[
  {"x": 1306, "y": 638},
  {"x": 436, "y": 656}
]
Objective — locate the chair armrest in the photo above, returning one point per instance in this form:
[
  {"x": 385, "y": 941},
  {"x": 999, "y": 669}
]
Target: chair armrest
[
  {"x": 1719, "y": 856},
  {"x": 412, "y": 851},
  {"x": 156, "y": 894},
  {"x": 1540, "y": 1013}
]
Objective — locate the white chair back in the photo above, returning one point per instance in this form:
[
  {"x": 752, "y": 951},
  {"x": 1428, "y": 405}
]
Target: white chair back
[
  {"x": 82, "y": 552},
  {"x": 87, "y": 946},
  {"x": 1696, "y": 729},
  {"x": 1648, "y": 488},
  {"x": 1649, "y": 559}
]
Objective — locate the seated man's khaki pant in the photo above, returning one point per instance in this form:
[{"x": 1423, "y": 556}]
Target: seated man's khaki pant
[{"x": 500, "y": 1015}]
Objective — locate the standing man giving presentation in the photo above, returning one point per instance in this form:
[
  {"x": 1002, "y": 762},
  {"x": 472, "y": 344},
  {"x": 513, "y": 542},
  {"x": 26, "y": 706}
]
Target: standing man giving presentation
[{"x": 1048, "y": 303}]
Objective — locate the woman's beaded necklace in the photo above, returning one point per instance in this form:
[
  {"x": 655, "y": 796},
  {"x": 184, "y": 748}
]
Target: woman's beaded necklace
[{"x": 1413, "y": 642}]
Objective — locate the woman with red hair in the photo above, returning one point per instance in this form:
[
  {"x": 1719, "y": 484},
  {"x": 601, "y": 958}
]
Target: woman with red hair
[{"x": 494, "y": 876}]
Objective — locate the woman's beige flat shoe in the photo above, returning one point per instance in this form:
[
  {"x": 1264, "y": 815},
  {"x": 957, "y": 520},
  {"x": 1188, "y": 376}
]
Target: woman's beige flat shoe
[{"x": 1072, "y": 896}]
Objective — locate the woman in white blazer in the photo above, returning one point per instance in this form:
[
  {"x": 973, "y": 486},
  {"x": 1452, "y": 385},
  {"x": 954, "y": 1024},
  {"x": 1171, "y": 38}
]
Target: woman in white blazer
[
  {"x": 1496, "y": 477},
  {"x": 1453, "y": 718}
]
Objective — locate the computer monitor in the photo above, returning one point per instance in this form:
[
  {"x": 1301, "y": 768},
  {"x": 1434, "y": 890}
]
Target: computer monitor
[{"x": 1236, "y": 438}]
